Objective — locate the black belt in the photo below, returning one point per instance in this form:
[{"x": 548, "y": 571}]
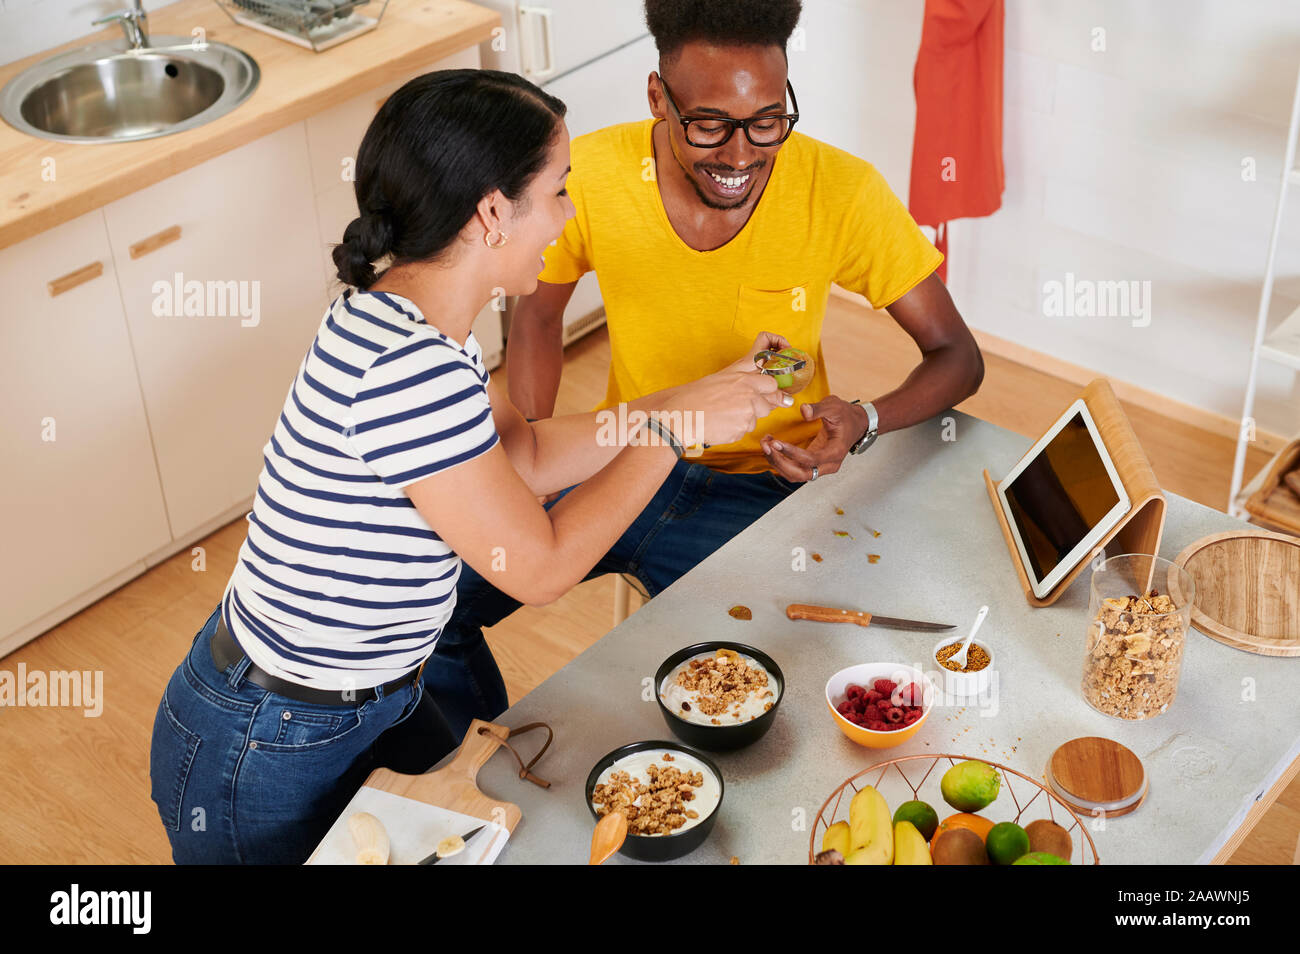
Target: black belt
[{"x": 226, "y": 652}]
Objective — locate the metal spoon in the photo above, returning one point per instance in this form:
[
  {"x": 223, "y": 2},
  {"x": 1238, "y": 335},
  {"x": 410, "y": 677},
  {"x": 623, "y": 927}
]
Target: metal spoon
[{"x": 959, "y": 658}]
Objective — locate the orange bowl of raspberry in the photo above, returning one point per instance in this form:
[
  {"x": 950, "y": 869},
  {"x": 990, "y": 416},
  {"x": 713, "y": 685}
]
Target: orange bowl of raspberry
[{"x": 880, "y": 705}]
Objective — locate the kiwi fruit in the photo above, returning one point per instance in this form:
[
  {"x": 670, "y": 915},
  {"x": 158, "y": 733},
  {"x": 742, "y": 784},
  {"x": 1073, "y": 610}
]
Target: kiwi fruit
[
  {"x": 959, "y": 846},
  {"x": 794, "y": 381},
  {"x": 1048, "y": 836}
]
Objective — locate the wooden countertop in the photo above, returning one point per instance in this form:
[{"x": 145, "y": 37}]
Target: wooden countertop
[{"x": 296, "y": 83}]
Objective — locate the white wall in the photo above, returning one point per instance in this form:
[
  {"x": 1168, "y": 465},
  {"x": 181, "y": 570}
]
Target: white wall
[
  {"x": 30, "y": 26},
  {"x": 1121, "y": 165}
]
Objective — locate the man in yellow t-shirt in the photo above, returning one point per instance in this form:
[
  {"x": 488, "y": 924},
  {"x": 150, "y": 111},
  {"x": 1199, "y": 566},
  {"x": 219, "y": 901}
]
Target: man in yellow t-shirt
[{"x": 706, "y": 225}]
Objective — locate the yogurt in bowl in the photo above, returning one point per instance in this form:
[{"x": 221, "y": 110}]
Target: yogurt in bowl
[
  {"x": 661, "y": 769},
  {"x": 719, "y": 696},
  {"x": 661, "y": 792},
  {"x": 723, "y": 687}
]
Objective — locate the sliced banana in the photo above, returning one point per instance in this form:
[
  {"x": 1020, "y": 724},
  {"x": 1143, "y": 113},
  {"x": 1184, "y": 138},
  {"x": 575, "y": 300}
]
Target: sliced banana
[
  {"x": 451, "y": 845},
  {"x": 370, "y": 837}
]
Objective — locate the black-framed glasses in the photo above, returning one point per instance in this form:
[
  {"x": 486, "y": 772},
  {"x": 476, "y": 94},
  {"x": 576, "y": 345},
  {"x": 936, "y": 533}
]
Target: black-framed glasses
[{"x": 710, "y": 132}]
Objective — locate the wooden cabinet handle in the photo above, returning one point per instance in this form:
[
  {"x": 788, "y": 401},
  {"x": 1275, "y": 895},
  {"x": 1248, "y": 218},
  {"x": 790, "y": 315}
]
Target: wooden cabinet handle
[
  {"x": 71, "y": 280},
  {"x": 155, "y": 242}
]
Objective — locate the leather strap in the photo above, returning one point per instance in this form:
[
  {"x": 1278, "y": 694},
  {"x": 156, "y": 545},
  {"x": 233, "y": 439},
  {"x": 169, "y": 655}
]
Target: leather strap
[{"x": 525, "y": 771}]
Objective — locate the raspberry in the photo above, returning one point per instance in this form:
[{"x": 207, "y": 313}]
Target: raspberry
[
  {"x": 911, "y": 716},
  {"x": 873, "y": 696},
  {"x": 853, "y": 691},
  {"x": 911, "y": 695},
  {"x": 844, "y": 708},
  {"x": 883, "y": 686},
  {"x": 884, "y": 705},
  {"x": 878, "y": 726},
  {"x": 894, "y": 715}
]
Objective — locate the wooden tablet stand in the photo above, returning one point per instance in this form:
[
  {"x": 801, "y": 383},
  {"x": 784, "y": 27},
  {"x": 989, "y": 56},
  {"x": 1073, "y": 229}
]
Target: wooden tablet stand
[{"x": 1140, "y": 529}]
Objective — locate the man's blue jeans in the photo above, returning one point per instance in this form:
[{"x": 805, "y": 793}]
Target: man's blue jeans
[{"x": 695, "y": 512}]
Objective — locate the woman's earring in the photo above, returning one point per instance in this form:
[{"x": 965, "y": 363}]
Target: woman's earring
[{"x": 502, "y": 238}]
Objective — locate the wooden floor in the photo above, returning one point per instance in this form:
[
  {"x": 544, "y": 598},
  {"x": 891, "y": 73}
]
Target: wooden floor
[{"x": 76, "y": 789}]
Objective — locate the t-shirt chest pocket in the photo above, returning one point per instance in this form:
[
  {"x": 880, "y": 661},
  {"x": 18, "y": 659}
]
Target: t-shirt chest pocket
[{"x": 795, "y": 313}]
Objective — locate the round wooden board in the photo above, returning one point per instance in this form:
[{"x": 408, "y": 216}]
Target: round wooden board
[
  {"x": 1247, "y": 590},
  {"x": 1092, "y": 770}
]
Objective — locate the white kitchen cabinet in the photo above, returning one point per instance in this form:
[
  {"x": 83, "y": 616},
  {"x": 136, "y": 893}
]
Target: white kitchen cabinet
[
  {"x": 215, "y": 366},
  {"x": 81, "y": 497}
]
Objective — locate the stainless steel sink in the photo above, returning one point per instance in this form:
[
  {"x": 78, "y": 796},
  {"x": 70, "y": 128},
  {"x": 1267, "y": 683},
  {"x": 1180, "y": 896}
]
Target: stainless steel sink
[{"x": 114, "y": 92}]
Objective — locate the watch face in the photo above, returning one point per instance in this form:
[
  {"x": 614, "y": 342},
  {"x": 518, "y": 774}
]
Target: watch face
[{"x": 867, "y": 440}]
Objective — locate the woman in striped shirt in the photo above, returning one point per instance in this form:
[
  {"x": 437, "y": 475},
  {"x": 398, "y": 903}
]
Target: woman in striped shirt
[{"x": 394, "y": 459}]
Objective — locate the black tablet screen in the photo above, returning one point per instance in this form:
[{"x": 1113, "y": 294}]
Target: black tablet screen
[{"x": 1062, "y": 494}]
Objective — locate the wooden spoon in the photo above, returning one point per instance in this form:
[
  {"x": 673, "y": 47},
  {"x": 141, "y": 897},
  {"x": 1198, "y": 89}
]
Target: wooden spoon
[{"x": 608, "y": 837}]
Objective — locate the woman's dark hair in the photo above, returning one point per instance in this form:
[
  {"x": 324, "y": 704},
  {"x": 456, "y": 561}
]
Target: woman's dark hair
[
  {"x": 674, "y": 23},
  {"x": 434, "y": 149}
]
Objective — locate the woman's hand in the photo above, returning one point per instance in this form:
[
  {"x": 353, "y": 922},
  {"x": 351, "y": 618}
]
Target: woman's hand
[
  {"x": 766, "y": 341},
  {"x": 723, "y": 407}
]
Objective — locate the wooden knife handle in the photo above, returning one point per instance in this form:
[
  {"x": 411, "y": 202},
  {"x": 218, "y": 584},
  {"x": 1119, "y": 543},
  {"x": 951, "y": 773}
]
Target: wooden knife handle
[{"x": 825, "y": 614}]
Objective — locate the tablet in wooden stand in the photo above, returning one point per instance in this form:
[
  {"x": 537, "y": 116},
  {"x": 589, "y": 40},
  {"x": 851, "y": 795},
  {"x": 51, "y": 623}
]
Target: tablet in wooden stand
[{"x": 1135, "y": 523}]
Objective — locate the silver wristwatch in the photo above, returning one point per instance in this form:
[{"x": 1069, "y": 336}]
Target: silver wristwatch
[{"x": 873, "y": 422}]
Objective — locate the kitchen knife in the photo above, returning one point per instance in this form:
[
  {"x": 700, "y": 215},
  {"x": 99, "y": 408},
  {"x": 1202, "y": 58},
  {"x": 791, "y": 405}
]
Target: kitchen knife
[
  {"x": 825, "y": 614},
  {"x": 433, "y": 859}
]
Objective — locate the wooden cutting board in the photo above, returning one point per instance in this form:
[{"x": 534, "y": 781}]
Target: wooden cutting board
[
  {"x": 1247, "y": 590},
  {"x": 455, "y": 786}
]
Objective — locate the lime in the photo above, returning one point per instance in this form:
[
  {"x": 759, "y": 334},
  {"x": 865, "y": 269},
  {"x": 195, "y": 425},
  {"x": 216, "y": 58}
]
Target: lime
[
  {"x": 970, "y": 786},
  {"x": 1039, "y": 858},
  {"x": 1006, "y": 842},
  {"x": 920, "y": 814}
]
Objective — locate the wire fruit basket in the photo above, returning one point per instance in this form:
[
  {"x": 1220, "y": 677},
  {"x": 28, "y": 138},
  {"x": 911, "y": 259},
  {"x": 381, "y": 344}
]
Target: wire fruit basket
[{"x": 913, "y": 773}]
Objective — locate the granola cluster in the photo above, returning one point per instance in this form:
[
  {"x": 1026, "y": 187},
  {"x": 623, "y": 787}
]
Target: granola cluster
[
  {"x": 1135, "y": 651},
  {"x": 723, "y": 681},
  {"x": 654, "y": 809}
]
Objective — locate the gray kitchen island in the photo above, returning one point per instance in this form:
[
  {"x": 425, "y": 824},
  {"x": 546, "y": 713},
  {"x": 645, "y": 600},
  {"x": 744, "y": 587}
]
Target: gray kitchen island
[{"x": 1229, "y": 736}]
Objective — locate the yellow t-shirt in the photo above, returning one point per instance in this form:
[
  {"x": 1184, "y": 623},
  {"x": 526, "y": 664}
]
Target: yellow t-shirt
[{"x": 676, "y": 314}]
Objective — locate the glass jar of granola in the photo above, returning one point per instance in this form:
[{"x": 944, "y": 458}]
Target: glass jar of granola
[{"x": 1140, "y": 610}]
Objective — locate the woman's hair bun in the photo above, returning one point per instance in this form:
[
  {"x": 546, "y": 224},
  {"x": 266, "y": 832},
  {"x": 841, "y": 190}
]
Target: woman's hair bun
[{"x": 366, "y": 240}]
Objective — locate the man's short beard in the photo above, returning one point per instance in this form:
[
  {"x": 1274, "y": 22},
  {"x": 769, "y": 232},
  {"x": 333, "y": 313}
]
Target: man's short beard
[{"x": 712, "y": 201}]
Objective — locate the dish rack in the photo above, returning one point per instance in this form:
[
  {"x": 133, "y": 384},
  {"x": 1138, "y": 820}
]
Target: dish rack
[
  {"x": 314, "y": 24},
  {"x": 905, "y": 778}
]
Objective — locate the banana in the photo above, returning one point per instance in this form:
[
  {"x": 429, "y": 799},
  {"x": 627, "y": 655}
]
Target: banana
[
  {"x": 909, "y": 845},
  {"x": 870, "y": 829},
  {"x": 370, "y": 837},
  {"x": 837, "y": 837}
]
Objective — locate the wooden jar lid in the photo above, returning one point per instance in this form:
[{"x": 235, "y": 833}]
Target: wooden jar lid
[{"x": 1097, "y": 776}]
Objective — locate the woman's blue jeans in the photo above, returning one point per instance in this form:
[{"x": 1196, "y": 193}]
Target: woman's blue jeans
[
  {"x": 242, "y": 775},
  {"x": 695, "y": 511}
]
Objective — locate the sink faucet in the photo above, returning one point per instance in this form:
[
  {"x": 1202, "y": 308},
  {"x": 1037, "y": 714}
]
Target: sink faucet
[{"x": 134, "y": 25}]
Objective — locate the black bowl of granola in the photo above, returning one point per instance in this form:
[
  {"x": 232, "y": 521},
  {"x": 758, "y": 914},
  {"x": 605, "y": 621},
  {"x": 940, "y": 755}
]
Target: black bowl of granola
[
  {"x": 719, "y": 696},
  {"x": 670, "y": 793}
]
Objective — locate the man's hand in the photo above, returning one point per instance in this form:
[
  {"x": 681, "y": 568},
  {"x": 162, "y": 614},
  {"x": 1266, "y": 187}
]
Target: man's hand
[{"x": 843, "y": 424}]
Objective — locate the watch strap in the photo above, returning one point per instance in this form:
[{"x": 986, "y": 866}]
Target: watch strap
[{"x": 873, "y": 426}]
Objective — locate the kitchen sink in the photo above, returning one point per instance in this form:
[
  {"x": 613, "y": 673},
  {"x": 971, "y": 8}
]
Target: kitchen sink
[{"x": 113, "y": 92}]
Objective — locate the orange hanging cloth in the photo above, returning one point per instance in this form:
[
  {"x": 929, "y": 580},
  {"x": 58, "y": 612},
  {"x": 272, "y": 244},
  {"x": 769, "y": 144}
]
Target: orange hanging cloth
[{"x": 957, "y": 156}]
